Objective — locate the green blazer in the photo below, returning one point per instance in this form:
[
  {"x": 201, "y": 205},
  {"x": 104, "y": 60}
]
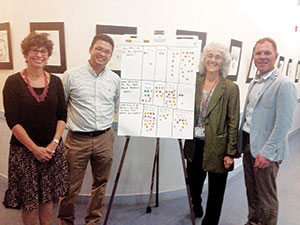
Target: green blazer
[{"x": 221, "y": 125}]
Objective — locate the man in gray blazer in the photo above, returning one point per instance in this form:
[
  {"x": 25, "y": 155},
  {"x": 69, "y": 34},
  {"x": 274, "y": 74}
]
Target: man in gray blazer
[{"x": 266, "y": 120}]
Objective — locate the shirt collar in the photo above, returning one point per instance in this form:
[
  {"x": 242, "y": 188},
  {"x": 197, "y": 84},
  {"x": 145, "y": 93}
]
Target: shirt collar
[
  {"x": 92, "y": 71},
  {"x": 264, "y": 77}
]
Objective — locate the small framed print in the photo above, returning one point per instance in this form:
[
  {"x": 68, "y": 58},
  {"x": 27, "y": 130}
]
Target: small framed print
[
  {"x": 201, "y": 36},
  {"x": 280, "y": 64},
  {"x": 5, "y": 47},
  {"x": 289, "y": 68},
  {"x": 252, "y": 72},
  {"x": 235, "y": 53},
  {"x": 116, "y": 33},
  {"x": 57, "y": 61},
  {"x": 297, "y": 74}
]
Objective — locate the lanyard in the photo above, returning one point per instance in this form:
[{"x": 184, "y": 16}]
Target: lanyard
[{"x": 203, "y": 103}]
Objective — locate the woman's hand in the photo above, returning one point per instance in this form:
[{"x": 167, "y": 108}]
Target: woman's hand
[
  {"x": 52, "y": 147},
  {"x": 42, "y": 154},
  {"x": 228, "y": 161}
]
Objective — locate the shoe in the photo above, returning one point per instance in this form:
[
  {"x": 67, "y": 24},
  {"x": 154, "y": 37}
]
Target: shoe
[{"x": 198, "y": 211}]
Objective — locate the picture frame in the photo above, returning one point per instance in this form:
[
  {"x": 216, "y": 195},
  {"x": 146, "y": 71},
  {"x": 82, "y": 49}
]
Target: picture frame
[
  {"x": 280, "y": 64},
  {"x": 116, "y": 33},
  {"x": 6, "y": 59},
  {"x": 252, "y": 71},
  {"x": 297, "y": 74},
  {"x": 289, "y": 68},
  {"x": 201, "y": 35},
  {"x": 235, "y": 53},
  {"x": 57, "y": 61}
]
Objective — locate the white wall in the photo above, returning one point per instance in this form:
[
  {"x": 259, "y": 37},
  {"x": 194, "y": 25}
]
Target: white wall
[{"x": 242, "y": 20}]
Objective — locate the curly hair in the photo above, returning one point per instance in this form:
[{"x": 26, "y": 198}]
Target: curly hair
[
  {"x": 36, "y": 40},
  {"x": 225, "y": 55}
]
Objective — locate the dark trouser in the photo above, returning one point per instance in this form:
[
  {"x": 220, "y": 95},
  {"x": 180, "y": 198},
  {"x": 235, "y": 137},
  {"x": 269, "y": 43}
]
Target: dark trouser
[
  {"x": 261, "y": 189},
  {"x": 216, "y": 187}
]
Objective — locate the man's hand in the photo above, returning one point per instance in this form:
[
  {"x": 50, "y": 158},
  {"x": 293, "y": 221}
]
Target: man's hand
[{"x": 261, "y": 162}]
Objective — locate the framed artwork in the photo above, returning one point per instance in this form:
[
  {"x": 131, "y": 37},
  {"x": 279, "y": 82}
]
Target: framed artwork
[
  {"x": 5, "y": 47},
  {"x": 116, "y": 33},
  {"x": 252, "y": 72},
  {"x": 289, "y": 68},
  {"x": 235, "y": 53},
  {"x": 201, "y": 35},
  {"x": 280, "y": 64},
  {"x": 57, "y": 61},
  {"x": 297, "y": 74}
]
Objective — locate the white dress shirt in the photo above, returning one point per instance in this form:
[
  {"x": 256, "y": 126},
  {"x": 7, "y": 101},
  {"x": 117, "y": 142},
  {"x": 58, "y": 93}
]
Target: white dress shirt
[{"x": 259, "y": 83}]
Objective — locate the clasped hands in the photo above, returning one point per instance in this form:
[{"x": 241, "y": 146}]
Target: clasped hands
[{"x": 44, "y": 154}]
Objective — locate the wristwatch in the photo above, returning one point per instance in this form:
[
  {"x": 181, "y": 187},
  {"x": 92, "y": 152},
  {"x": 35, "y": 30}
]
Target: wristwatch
[{"x": 56, "y": 141}]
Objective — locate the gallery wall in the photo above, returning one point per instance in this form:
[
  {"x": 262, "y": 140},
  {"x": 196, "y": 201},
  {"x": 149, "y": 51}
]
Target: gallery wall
[{"x": 245, "y": 21}]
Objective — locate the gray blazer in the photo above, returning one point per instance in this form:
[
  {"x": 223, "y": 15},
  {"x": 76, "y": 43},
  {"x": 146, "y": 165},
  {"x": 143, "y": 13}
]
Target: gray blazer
[{"x": 271, "y": 118}]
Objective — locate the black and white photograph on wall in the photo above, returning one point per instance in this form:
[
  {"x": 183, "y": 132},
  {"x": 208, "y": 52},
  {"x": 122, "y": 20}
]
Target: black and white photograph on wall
[
  {"x": 57, "y": 61},
  {"x": 289, "y": 68},
  {"x": 5, "y": 47},
  {"x": 201, "y": 36},
  {"x": 117, "y": 34},
  {"x": 252, "y": 72},
  {"x": 280, "y": 64},
  {"x": 235, "y": 53},
  {"x": 297, "y": 74}
]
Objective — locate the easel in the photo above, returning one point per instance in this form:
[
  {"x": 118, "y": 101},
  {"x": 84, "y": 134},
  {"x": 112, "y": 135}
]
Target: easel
[{"x": 155, "y": 164}]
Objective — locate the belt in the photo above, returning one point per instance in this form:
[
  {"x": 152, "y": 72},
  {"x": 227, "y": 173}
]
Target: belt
[{"x": 92, "y": 133}]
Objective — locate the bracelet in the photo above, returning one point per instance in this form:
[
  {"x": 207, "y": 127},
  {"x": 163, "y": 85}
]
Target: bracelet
[{"x": 56, "y": 141}]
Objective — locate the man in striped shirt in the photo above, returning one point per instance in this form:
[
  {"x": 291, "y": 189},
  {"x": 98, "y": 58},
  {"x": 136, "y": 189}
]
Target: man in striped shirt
[{"x": 92, "y": 93}]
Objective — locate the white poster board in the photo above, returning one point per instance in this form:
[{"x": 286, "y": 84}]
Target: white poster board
[{"x": 158, "y": 87}]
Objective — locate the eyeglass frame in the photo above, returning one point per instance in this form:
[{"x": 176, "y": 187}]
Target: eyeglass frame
[
  {"x": 36, "y": 51},
  {"x": 101, "y": 50}
]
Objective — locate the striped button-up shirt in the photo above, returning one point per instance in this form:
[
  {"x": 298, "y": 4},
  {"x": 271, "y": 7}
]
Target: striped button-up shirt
[{"x": 92, "y": 98}]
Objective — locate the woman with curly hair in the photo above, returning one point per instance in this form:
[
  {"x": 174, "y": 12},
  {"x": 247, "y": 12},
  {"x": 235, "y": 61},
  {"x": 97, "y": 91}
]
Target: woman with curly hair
[
  {"x": 213, "y": 149},
  {"x": 35, "y": 111}
]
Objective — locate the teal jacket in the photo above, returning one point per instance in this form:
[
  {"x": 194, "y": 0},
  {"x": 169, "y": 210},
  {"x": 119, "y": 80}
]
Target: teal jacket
[
  {"x": 272, "y": 117},
  {"x": 221, "y": 125}
]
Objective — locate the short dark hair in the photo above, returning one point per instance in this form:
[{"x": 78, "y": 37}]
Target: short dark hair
[
  {"x": 266, "y": 39},
  {"x": 103, "y": 37},
  {"x": 36, "y": 40}
]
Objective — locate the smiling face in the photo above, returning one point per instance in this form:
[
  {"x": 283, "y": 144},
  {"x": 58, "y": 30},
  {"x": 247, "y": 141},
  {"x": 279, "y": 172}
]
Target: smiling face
[
  {"x": 37, "y": 57},
  {"x": 213, "y": 61},
  {"x": 264, "y": 56},
  {"x": 100, "y": 54}
]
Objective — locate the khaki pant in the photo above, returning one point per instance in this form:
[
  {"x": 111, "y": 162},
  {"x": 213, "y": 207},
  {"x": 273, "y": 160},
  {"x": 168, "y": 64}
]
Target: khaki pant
[
  {"x": 80, "y": 150},
  {"x": 261, "y": 190}
]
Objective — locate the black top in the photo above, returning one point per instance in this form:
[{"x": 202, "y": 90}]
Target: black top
[{"x": 39, "y": 119}]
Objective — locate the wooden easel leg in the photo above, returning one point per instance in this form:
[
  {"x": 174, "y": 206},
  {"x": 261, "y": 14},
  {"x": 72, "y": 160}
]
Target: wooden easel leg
[
  {"x": 157, "y": 176},
  {"x": 116, "y": 181},
  {"x": 148, "y": 210},
  {"x": 186, "y": 182}
]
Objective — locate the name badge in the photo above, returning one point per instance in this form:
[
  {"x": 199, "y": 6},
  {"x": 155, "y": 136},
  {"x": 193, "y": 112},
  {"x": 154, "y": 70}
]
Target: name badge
[{"x": 199, "y": 132}]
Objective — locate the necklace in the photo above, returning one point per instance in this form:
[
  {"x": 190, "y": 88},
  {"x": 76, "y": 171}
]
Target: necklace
[{"x": 41, "y": 97}]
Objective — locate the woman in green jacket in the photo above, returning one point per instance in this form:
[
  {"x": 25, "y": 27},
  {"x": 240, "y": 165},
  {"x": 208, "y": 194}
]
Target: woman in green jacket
[{"x": 213, "y": 149}]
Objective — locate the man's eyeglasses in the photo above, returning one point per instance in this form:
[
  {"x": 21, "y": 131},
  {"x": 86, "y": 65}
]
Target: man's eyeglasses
[{"x": 101, "y": 50}]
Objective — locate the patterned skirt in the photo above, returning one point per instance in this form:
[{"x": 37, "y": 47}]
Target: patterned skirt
[{"x": 31, "y": 183}]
